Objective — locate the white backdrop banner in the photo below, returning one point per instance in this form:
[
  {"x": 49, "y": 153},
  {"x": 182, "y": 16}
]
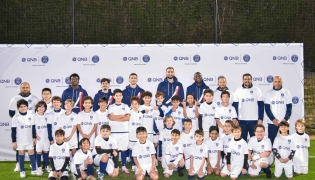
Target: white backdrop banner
[{"x": 51, "y": 65}]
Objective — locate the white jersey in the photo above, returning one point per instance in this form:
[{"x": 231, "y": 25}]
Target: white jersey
[
  {"x": 237, "y": 150},
  {"x": 226, "y": 141},
  {"x": 223, "y": 114},
  {"x": 59, "y": 153},
  {"x": 109, "y": 144},
  {"x": 143, "y": 153},
  {"x": 31, "y": 99},
  {"x": 213, "y": 149},
  {"x": 67, "y": 123},
  {"x": 54, "y": 120},
  {"x": 50, "y": 108},
  {"x": 207, "y": 112},
  {"x": 278, "y": 100},
  {"x": 148, "y": 120},
  {"x": 87, "y": 122},
  {"x": 79, "y": 157},
  {"x": 198, "y": 152},
  {"x": 121, "y": 109},
  {"x": 41, "y": 127},
  {"x": 259, "y": 147},
  {"x": 187, "y": 140},
  {"x": 23, "y": 125},
  {"x": 217, "y": 97},
  {"x": 165, "y": 137},
  {"x": 174, "y": 150},
  {"x": 178, "y": 115},
  {"x": 302, "y": 143},
  {"x": 191, "y": 114},
  {"x": 134, "y": 123},
  {"x": 102, "y": 119},
  {"x": 284, "y": 145},
  {"x": 247, "y": 102},
  {"x": 159, "y": 120}
]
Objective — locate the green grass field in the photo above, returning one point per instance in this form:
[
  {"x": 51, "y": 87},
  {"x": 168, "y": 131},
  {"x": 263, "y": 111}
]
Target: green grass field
[{"x": 7, "y": 172}]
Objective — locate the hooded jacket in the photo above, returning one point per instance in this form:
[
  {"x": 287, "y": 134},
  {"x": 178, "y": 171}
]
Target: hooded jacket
[
  {"x": 73, "y": 94},
  {"x": 196, "y": 90},
  {"x": 100, "y": 94},
  {"x": 169, "y": 88},
  {"x": 130, "y": 92}
]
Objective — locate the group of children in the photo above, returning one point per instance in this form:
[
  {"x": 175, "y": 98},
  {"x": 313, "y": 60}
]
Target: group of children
[{"x": 147, "y": 134}]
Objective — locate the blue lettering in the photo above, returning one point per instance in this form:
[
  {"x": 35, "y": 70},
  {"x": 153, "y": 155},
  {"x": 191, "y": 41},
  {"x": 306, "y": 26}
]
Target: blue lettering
[
  {"x": 147, "y": 116},
  {"x": 157, "y": 79},
  {"x": 133, "y": 58},
  {"x": 233, "y": 58},
  {"x": 257, "y": 78},
  {"x": 207, "y": 79},
  {"x": 82, "y": 59},
  {"x": 4, "y": 80},
  {"x": 55, "y": 80},
  {"x": 236, "y": 153},
  {"x": 183, "y": 58}
]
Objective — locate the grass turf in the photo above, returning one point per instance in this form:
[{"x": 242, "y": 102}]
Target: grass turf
[{"x": 7, "y": 172}]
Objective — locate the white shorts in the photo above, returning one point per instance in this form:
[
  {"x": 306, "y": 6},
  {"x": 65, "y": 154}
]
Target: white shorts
[
  {"x": 236, "y": 170},
  {"x": 131, "y": 144},
  {"x": 145, "y": 169},
  {"x": 122, "y": 140},
  {"x": 110, "y": 164},
  {"x": 156, "y": 138},
  {"x": 268, "y": 160},
  {"x": 25, "y": 147},
  {"x": 65, "y": 173},
  {"x": 288, "y": 169},
  {"x": 40, "y": 146},
  {"x": 187, "y": 161},
  {"x": 301, "y": 169},
  {"x": 214, "y": 163},
  {"x": 73, "y": 145},
  {"x": 74, "y": 169}
]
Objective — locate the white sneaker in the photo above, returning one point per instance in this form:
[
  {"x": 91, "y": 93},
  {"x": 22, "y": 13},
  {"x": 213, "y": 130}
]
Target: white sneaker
[
  {"x": 17, "y": 167},
  {"x": 39, "y": 171},
  {"x": 22, "y": 174},
  {"x": 128, "y": 159},
  {"x": 133, "y": 168},
  {"x": 48, "y": 169},
  {"x": 34, "y": 172},
  {"x": 156, "y": 163}
]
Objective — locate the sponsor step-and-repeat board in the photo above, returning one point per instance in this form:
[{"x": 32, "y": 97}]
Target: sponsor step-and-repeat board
[{"x": 51, "y": 65}]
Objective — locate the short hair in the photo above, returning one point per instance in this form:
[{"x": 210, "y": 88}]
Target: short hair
[
  {"x": 83, "y": 140},
  {"x": 199, "y": 132},
  {"x": 247, "y": 74},
  {"x": 117, "y": 91},
  {"x": 141, "y": 129},
  {"x": 169, "y": 116},
  {"x": 230, "y": 122},
  {"x": 60, "y": 132},
  {"x": 221, "y": 77},
  {"x": 103, "y": 99},
  {"x": 225, "y": 92},
  {"x": 146, "y": 93},
  {"x": 21, "y": 102},
  {"x": 87, "y": 98},
  {"x": 169, "y": 68},
  {"x": 46, "y": 89},
  {"x": 187, "y": 120},
  {"x": 74, "y": 75},
  {"x": 299, "y": 121},
  {"x": 259, "y": 126},
  {"x": 175, "y": 98},
  {"x": 208, "y": 91},
  {"x": 133, "y": 74},
  {"x": 213, "y": 128},
  {"x": 190, "y": 94},
  {"x": 175, "y": 131},
  {"x": 105, "y": 126},
  {"x": 159, "y": 93},
  {"x": 70, "y": 101},
  {"x": 105, "y": 80},
  {"x": 237, "y": 127},
  {"x": 56, "y": 98},
  {"x": 135, "y": 98},
  {"x": 284, "y": 123},
  {"x": 39, "y": 104}
]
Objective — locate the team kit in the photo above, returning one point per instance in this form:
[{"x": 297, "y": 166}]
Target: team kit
[{"x": 202, "y": 132}]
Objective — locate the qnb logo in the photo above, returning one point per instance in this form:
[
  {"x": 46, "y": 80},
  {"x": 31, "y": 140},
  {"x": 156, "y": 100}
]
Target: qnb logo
[
  {"x": 119, "y": 80},
  {"x": 26, "y": 126},
  {"x": 284, "y": 147},
  {"x": 144, "y": 156},
  {"x": 208, "y": 115},
  {"x": 181, "y": 58},
  {"x": 207, "y": 79},
  {"x": 198, "y": 157},
  {"x": 248, "y": 100},
  {"x": 246, "y": 58},
  {"x": 102, "y": 123},
  {"x": 4, "y": 124},
  {"x": 225, "y": 146},
  {"x": 18, "y": 81},
  {"x": 269, "y": 79},
  {"x": 67, "y": 127},
  {"x": 95, "y": 59},
  {"x": 41, "y": 127},
  {"x": 294, "y": 58},
  {"x": 155, "y": 79},
  {"x": 67, "y": 80},
  {"x": 231, "y": 58},
  {"x": 295, "y": 100},
  {"x": 213, "y": 151},
  {"x": 29, "y": 59},
  {"x": 277, "y": 102},
  {"x": 236, "y": 153},
  {"x": 74, "y": 59},
  {"x": 130, "y": 58},
  {"x": 226, "y": 117},
  {"x": 146, "y": 58},
  {"x": 59, "y": 157},
  {"x": 86, "y": 123},
  {"x": 53, "y": 80},
  {"x": 257, "y": 78},
  {"x": 4, "y": 80},
  {"x": 147, "y": 116},
  {"x": 279, "y": 58},
  {"x": 45, "y": 59}
]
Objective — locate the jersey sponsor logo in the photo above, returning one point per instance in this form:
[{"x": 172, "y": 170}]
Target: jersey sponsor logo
[
  {"x": 119, "y": 80},
  {"x": 218, "y": 103},
  {"x": 45, "y": 59},
  {"x": 277, "y": 102},
  {"x": 18, "y": 81},
  {"x": 67, "y": 80},
  {"x": 135, "y": 124},
  {"x": 181, "y": 58},
  {"x": 294, "y": 58},
  {"x": 208, "y": 114},
  {"x": 198, "y": 157},
  {"x": 248, "y": 100},
  {"x": 67, "y": 127},
  {"x": 102, "y": 123},
  {"x": 167, "y": 139},
  {"x": 302, "y": 147},
  {"x": 279, "y": 58},
  {"x": 147, "y": 116},
  {"x": 59, "y": 157},
  {"x": 226, "y": 117},
  {"x": 284, "y": 147},
  {"x": 144, "y": 156},
  {"x": 4, "y": 124},
  {"x": 270, "y": 79},
  {"x": 231, "y": 58},
  {"x": 213, "y": 151},
  {"x": 95, "y": 59},
  {"x": 225, "y": 146},
  {"x": 41, "y": 127},
  {"x": 174, "y": 156},
  {"x": 295, "y": 100},
  {"x": 146, "y": 58},
  {"x": 246, "y": 58},
  {"x": 196, "y": 58},
  {"x": 26, "y": 126},
  {"x": 74, "y": 59},
  {"x": 236, "y": 153},
  {"x": 86, "y": 123},
  {"x": 4, "y": 80}
]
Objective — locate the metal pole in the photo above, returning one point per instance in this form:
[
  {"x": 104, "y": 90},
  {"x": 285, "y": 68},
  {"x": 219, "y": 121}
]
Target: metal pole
[
  {"x": 72, "y": 21},
  {"x": 215, "y": 21}
]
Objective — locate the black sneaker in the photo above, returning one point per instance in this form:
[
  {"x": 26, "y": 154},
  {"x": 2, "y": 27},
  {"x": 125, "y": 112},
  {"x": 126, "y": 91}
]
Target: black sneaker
[
  {"x": 268, "y": 175},
  {"x": 180, "y": 173}
]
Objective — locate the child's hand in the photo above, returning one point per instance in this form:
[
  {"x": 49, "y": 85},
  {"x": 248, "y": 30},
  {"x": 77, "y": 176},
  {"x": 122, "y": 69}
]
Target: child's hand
[
  {"x": 217, "y": 165},
  {"x": 14, "y": 145},
  {"x": 156, "y": 107},
  {"x": 54, "y": 173},
  {"x": 286, "y": 160},
  {"x": 196, "y": 102},
  {"x": 281, "y": 160},
  {"x": 152, "y": 169},
  {"x": 184, "y": 103},
  {"x": 200, "y": 172},
  {"x": 59, "y": 174},
  {"x": 160, "y": 159},
  {"x": 191, "y": 170},
  {"x": 229, "y": 167},
  {"x": 37, "y": 137},
  {"x": 244, "y": 171},
  {"x": 34, "y": 142},
  {"x": 253, "y": 166},
  {"x": 51, "y": 142},
  {"x": 157, "y": 133},
  {"x": 139, "y": 170},
  {"x": 115, "y": 153},
  {"x": 235, "y": 122}
]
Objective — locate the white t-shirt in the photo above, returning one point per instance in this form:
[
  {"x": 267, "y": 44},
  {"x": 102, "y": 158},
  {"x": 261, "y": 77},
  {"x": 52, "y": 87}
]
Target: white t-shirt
[
  {"x": 41, "y": 127},
  {"x": 191, "y": 114},
  {"x": 23, "y": 126},
  {"x": 187, "y": 140},
  {"x": 259, "y": 147},
  {"x": 237, "y": 150},
  {"x": 121, "y": 109},
  {"x": 217, "y": 97},
  {"x": 284, "y": 145},
  {"x": 50, "y": 108},
  {"x": 225, "y": 113},
  {"x": 80, "y": 156},
  {"x": 165, "y": 137},
  {"x": 67, "y": 123},
  {"x": 110, "y": 144},
  {"x": 31, "y": 99},
  {"x": 54, "y": 120},
  {"x": 159, "y": 120},
  {"x": 174, "y": 150},
  {"x": 247, "y": 102},
  {"x": 213, "y": 149},
  {"x": 278, "y": 101},
  {"x": 198, "y": 153},
  {"x": 87, "y": 122},
  {"x": 178, "y": 115},
  {"x": 59, "y": 154},
  {"x": 148, "y": 120},
  {"x": 134, "y": 122},
  {"x": 226, "y": 141},
  {"x": 143, "y": 152},
  {"x": 102, "y": 119},
  {"x": 302, "y": 143},
  {"x": 207, "y": 112}
]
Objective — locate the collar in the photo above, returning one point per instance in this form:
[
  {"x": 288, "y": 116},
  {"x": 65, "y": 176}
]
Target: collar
[
  {"x": 169, "y": 128},
  {"x": 299, "y": 133},
  {"x": 248, "y": 87},
  {"x": 23, "y": 114},
  {"x": 238, "y": 139},
  {"x": 59, "y": 144},
  {"x": 276, "y": 89},
  {"x": 209, "y": 103},
  {"x": 142, "y": 143},
  {"x": 57, "y": 111},
  {"x": 226, "y": 88},
  {"x": 117, "y": 104},
  {"x": 106, "y": 139},
  {"x": 24, "y": 95}
]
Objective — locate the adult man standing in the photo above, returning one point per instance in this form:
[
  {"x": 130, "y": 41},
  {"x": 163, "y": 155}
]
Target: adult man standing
[
  {"x": 278, "y": 106},
  {"x": 25, "y": 93},
  {"x": 104, "y": 92},
  {"x": 222, "y": 87},
  {"x": 249, "y": 105},
  {"x": 171, "y": 87},
  {"x": 132, "y": 89},
  {"x": 197, "y": 87},
  {"x": 74, "y": 92}
]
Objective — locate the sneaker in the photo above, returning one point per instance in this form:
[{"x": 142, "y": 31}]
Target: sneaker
[
  {"x": 125, "y": 170},
  {"x": 17, "y": 167},
  {"x": 133, "y": 168},
  {"x": 128, "y": 159},
  {"x": 100, "y": 176},
  {"x": 89, "y": 178},
  {"x": 34, "y": 172},
  {"x": 268, "y": 175},
  {"x": 39, "y": 171},
  {"x": 97, "y": 170},
  {"x": 180, "y": 173},
  {"x": 48, "y": 169},
  {"x": 22, "y": 174}
]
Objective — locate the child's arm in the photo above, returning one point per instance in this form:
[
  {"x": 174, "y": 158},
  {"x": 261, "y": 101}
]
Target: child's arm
[
  {"x": 153, "y": 162},
  {"x": 139, "y": 169},
  {"x": 219, "y": 123},
  {"x": 191, "y": 169},
  {"x": 119, "y": 118},
  {"x": 74, "y": 129},
  {"x": 196, "y": 108},
  {"x": 92, "y": 131},
  {"x": 65, "y": 164},
  {"x": 80, "y": 130},
  {"x": 202, "y": 163},
  {"x": 160, "y": 148},
  {"x": 219, "y": 159},
  {"x": 184, "y": 109}
]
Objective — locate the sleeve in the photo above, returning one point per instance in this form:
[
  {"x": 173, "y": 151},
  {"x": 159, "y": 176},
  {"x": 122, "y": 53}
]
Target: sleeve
[
  {"x": 235, "y": 98},
  {"x": 95, "y": 118},
  {"x": 13, "y": 129},
  {"x": 205, "y": 152},
  {"x": 216, "y": 113},
  {"x": 135, "y": 151},
  {"x": 114, "y": 145},
  {"x": 11, "y": 113},
  {"x": 99, "y": 150},
  {"x": 259, "y": 95},
  {"x": 161, "y": 113},
  {"x": 12, "y": 105},
  {"x": 79, "y": 119},
  {"x": 268, "y": 145},
  {"x": 250, "y": 144},
  {"x": 156, "y": 130},
  {"x": 200, "y": 110},
  {"x": 96, "y": 141},
  {"x": 169, "y": 111},
  {"x": 245, "y": 148},
  {"x": 127, "y": 109},
  {"x": 181, "y": 92},
  {"x": 63, "y": 99},
  {"x": 160, "y": 148},
  {"x": 152, "y": 149},
  {"x": 234, "y": 115},
  {"x": 235, "y": 105},
  {"x": 230, "y": 148},
  {"x": 260, "y": 110},
  {"x": 308, "y": 141},
  {"x": 65, "y": 164},
  {"x": 268, "y": 112},
  {"x": 33, "y": 131},
  {"x": 188, "y": 90}
]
